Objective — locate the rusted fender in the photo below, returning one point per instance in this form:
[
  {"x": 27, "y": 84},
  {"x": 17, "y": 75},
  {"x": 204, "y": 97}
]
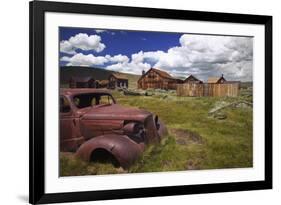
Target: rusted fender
[
  {"x": 162, "y": 131},
  {"x": 125, "y": 150}
]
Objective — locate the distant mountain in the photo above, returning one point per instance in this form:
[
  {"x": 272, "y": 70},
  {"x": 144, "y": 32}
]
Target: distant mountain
[
  {"x": 66, "y": 72},
  {"x": 246, "y": 84}
]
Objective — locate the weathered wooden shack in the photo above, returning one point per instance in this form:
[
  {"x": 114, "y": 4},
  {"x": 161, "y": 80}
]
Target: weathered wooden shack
[
  {"x": 116, "y": 80},
  {"x": 216, "y": 80},
  {"x": 102, "y": 83},
  {"x": 215, "y": 87},
  {"x": 82, "y": 82},
  {"x": 190, "y": 89},
  {"x": 157, "y": 79},
  {"x": 230, "y": 89},
  {"x": 191, "y": 86},
  {"x": 192, "y": 79},
  {"x": 219, "y": 86}
]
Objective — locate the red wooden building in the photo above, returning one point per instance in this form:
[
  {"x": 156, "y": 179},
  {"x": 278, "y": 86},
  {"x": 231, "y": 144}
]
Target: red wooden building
[
  {"x": 157, "y": 79},
  {"x": 117, "y": 81}
]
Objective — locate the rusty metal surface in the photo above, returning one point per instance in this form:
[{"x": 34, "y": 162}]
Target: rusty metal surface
[
  {"x": 120, "y": 130},
  {"x": 162, "y": 131},
  {"x": 115, "y": 112},
  {"x": 122, "y": 147}
]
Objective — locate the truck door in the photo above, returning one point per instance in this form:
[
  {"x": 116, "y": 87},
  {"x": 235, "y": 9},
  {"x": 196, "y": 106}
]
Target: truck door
[{"x": 69, "y": 129}]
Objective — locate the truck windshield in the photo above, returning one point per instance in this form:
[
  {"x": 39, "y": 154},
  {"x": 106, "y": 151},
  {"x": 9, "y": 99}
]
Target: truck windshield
[{"x": 92, "y": 99}]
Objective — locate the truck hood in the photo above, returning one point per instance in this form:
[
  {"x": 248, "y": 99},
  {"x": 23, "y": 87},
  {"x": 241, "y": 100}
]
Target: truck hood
[{"x": 113, "y": 112}]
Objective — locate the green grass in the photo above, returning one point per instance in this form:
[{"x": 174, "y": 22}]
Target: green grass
[
  {"x": 196, "y": 140},
  {"x": 71, "y": 166}
]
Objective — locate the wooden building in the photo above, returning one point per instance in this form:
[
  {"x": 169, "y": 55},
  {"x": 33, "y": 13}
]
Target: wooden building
[
  {"x": 157, "y": 79},
  {"x": 215, "y": 87},
  {"x": 192, "y": 79},
  {"x": 230, "y": 89},
  {"x": 82, "y": 82},
  {"x": 102, "y": 83},
  {"x": 117, "y": 81},
  {"x": 191, "y": 86},
  {"x": 216, "y": 80},
  {"x": 190, "y": 89},
  {"x": 219, "y": 87}
]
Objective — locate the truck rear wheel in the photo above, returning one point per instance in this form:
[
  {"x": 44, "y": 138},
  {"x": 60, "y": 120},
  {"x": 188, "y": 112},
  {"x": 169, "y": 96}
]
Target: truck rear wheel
[{"x": 103, "y": 156}]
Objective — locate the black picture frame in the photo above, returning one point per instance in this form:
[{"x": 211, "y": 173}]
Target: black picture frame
[{"x": 37, "y": 11}]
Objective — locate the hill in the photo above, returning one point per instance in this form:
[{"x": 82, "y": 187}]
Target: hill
[
  {"x": 66, "y": 72},
  {"x": 246, "y": 85}
]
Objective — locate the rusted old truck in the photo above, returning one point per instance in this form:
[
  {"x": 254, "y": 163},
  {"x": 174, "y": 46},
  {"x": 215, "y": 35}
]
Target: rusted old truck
[{"x": 96, "y": 128}]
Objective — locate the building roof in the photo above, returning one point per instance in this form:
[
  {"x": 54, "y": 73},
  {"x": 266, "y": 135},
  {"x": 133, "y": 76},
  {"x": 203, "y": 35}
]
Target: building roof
[
  {"x": 119, "y": 76},
  {"x": 195, "y": 79},
  {"x": 82, "y": 79},
  {"x": 103, "y": 82},
  {"x": 161, "y": 73},
  {"x": 180, "y": 80},
  {"x": 215, "y": 79}
]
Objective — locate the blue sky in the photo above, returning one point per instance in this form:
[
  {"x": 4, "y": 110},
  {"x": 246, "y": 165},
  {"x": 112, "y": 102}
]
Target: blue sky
[
  {"x": 176, "y": 53},
  {"x": 121, "y": 41}
]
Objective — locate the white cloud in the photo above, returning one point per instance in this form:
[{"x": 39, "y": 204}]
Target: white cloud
[
  {"x": 66, "y": 47},
  {"x": 82, "y": 41},
  {"x": 117, "y": 58},
  {"x": 137, "y": 63},
  {"x": 131, "y": 67},
  {"x": 80, "y": 59},
  {"x": 105, "y": 31},
  {"x": 65, "y": 58},
  {"x": 204, "y": 55},
  {"x": 135, "y": 66},
  {"x": 100, "y": 31}
]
